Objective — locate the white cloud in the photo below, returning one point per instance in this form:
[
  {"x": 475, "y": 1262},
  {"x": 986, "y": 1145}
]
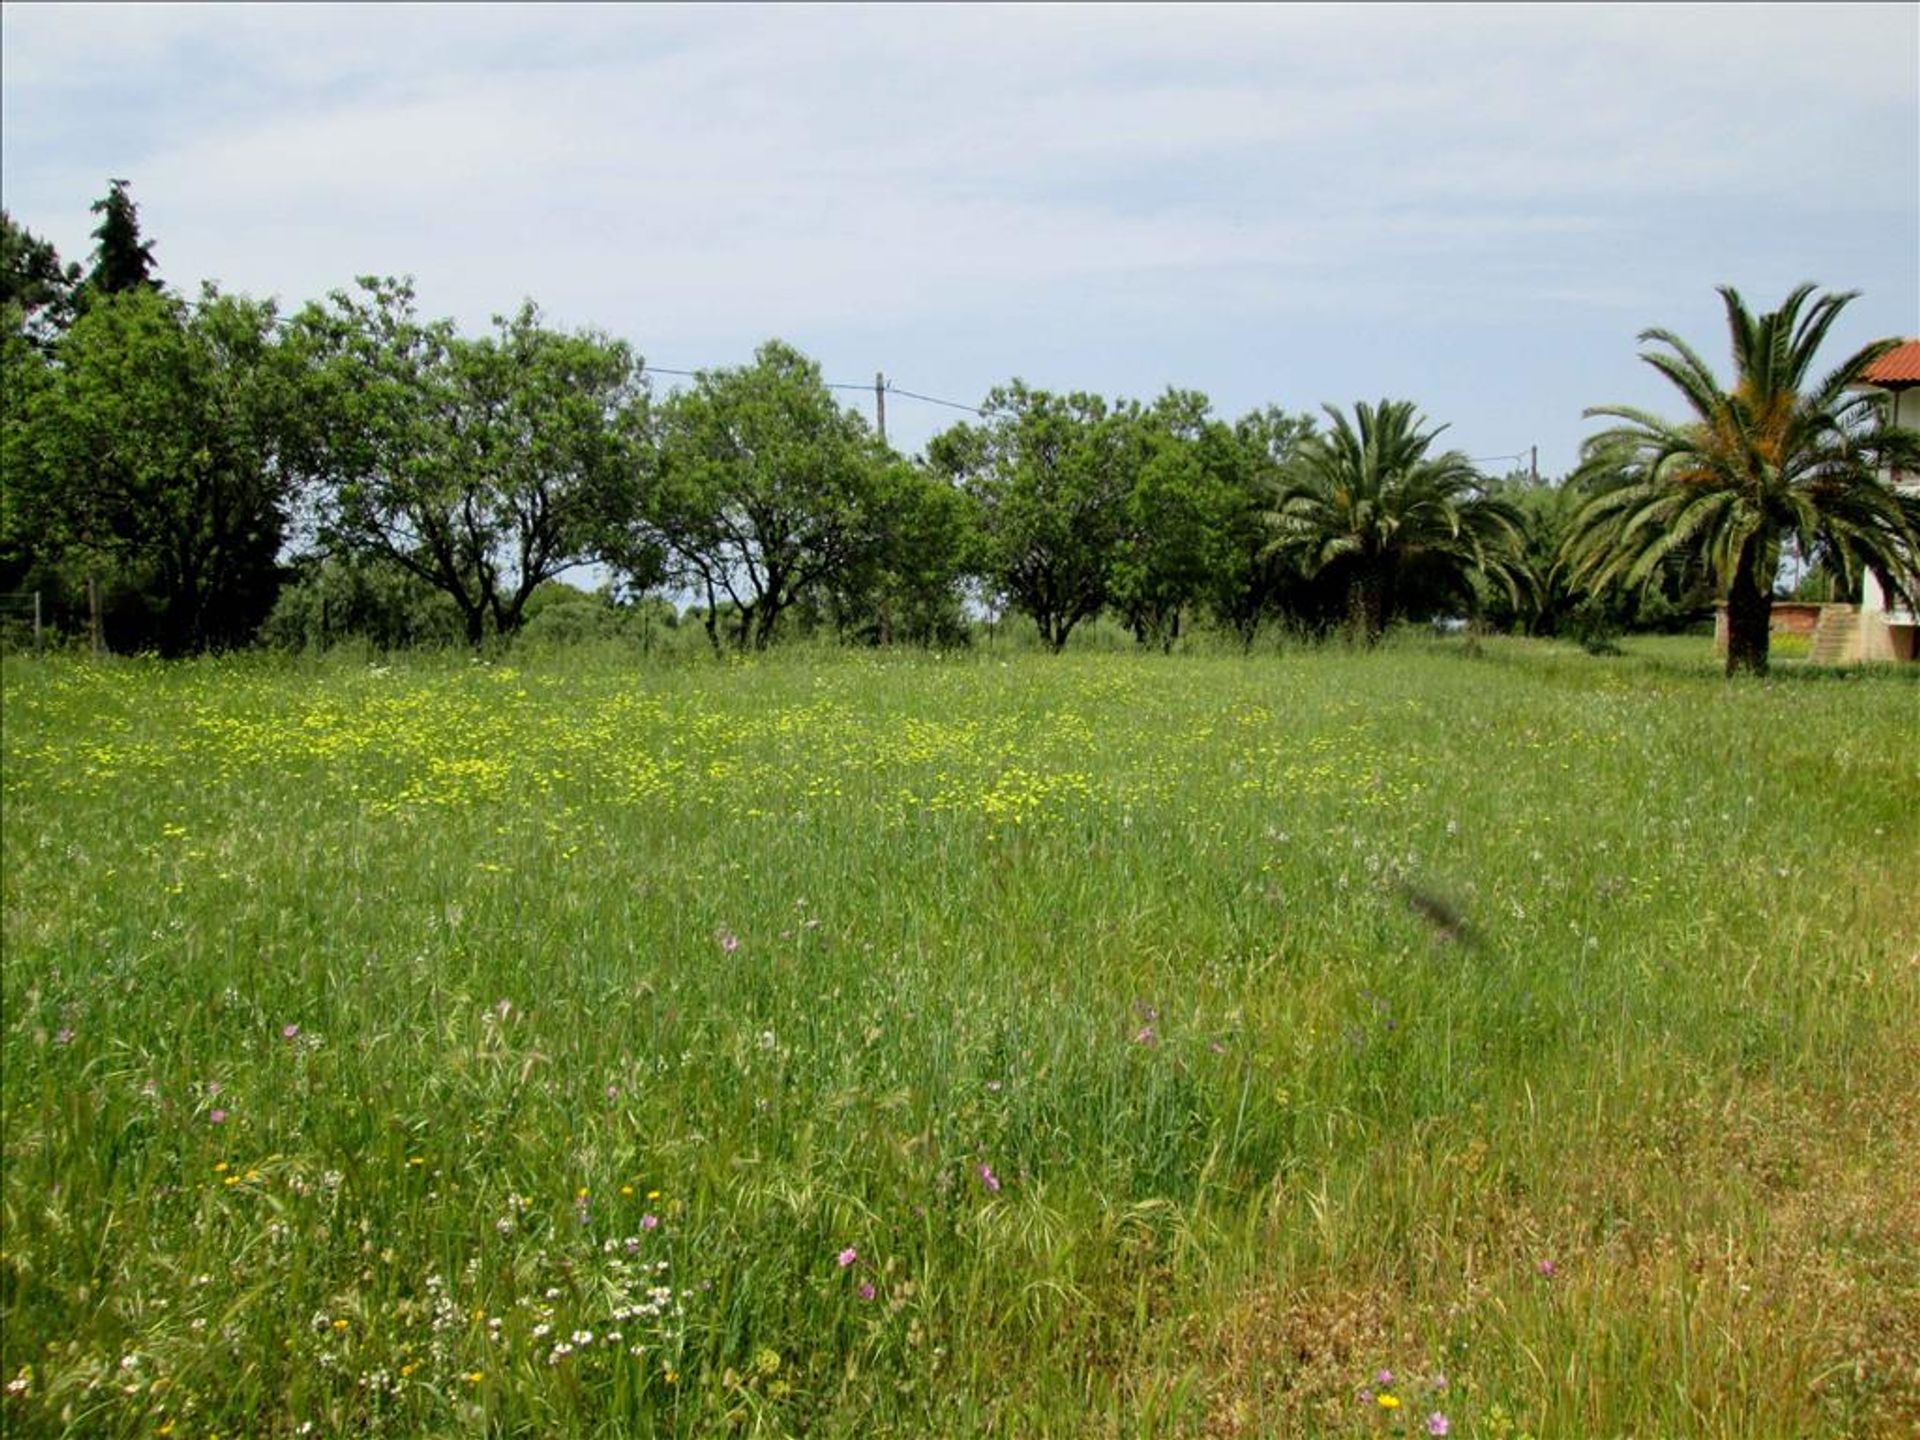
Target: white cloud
[{"x": 913, "y": 170}]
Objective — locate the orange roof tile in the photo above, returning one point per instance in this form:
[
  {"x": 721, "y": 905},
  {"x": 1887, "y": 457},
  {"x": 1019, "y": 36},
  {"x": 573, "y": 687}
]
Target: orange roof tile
[{"x": 1897, "y": 369}]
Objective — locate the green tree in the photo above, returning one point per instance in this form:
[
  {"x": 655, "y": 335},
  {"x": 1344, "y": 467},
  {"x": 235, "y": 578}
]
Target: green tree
[
  {"x": 151, "y": 453},
  {"x": 1783, "y": 453},
  {"x": 1368, "y": 505},
  {"x": 1050, "y": 475},
  {"x": 906, "y": 586},
  {"x": 1249, "y": 582},
  {"x": 121, "y": 259},
  {"x": 330, "y": 599},
  {"x": 760, "y": 489},
  {"x": 1179, "y": 505},
  {"x": 36, "y": 290},
  {"x": 483, "y": 467}
]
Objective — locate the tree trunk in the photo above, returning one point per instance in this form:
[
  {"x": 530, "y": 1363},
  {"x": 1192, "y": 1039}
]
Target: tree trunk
[
  {"x": 96, "y": 632},
  {"x": 476, "y": 618},
  {"x": 765, "y": 621},
  {"x": 1367, "y": 609},
  {"x": 713, "y": 618},
  {"x": 1749, "y": 613}
]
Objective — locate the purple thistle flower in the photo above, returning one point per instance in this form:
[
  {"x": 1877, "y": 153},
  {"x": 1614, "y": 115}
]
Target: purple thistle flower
[
  {"x": 867, "y": 1292},
  {"x": 847, "y": 1256},
  {"x": 649, "y": 1222},
  {"x": 64, "y": 1036},
  {"x": 1146, "y": 1036},
  {"x": 1384, "y": 1378},
  {"x": 989, "y": 1179},
  {"x": 289, "y": 1032},
  {"x": 1545, "y": 1267},
  {"x": 216, "y": 1117},
  {"x": 1437, "y": 1424}
]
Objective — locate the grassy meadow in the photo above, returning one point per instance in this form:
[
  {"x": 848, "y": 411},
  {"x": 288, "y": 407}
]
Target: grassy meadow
[{"x": 1493, "y": 1041}]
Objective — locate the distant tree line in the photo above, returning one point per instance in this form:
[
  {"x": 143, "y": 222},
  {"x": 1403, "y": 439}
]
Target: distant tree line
[{"x": 185, "y": 475}]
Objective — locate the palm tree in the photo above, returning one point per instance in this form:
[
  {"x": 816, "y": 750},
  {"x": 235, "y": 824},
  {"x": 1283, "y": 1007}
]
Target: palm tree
[
  {"x": 1366, "y": 504},
  {"x": 1777, "y": 456}
]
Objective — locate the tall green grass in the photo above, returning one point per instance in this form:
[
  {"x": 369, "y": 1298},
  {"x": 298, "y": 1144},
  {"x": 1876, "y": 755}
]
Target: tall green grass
[{"x": 1167, "y": 1046}]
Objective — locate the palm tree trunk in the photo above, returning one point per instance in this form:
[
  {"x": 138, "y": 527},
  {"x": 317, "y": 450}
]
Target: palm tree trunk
[
  {"x": 1749, "y": 613},
  {"x": 1367, "y": 609}
]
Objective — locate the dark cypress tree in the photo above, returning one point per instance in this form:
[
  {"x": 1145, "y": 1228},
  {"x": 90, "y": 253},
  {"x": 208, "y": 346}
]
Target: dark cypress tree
[{"x": 121, "y": 260}]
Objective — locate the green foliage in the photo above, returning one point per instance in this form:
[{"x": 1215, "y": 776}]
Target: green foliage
[
  {"x": 1249, "y": 583},
  {"x": 1365, "y": 505},
  {"x": 1051, "y": 477},
  {"x": 360, "y": 598},
  {"x": 906, "y": 586},
  {"x": 483, "y": 467},
  {"x": 1186, "y": 474},
  {"x": 1784, "y": 454},
  {"x": 36, "y": 290},
  {"x": 122, "y": 260},
  {"x": 759, "y": 489},
  {"x": 563, "y": 617},
  {"x": 149, "y": 449}
]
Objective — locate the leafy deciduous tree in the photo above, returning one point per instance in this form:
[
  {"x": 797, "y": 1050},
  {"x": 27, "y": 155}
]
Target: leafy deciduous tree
[
  {"x": 1050, "y": 475},
  {"x": 760, "y": 488},
  {"x": 1178, "y": 507},
  {"x": 482, "y": 466},
  {"x": 36, "y": 290},
  {"x": 153, "y": 448}
]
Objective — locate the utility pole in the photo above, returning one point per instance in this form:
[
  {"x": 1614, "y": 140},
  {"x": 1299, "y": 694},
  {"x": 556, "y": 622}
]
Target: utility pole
[
  {"x": 880, "y": 403},
  {"x": 1533, "y": 465}
]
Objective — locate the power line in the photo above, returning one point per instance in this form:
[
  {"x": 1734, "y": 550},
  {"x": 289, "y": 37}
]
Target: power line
[{"x": 891, "y": 388}]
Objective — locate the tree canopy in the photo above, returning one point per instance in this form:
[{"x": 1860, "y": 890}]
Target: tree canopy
[
  {"x": 485, "y": 466},
  {"x": 151, "y": 449},
  {"x": 1782, "y": 453},
  {"x": 1367, "y": 503},
  {"x": 188, "y": 461},
  {"x": 756, "y": 488},
  {"x": 122, "y": 259}
]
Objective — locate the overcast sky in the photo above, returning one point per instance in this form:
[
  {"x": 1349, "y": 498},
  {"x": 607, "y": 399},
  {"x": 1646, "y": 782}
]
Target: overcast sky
[{"x": 1474, "y": 208}]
